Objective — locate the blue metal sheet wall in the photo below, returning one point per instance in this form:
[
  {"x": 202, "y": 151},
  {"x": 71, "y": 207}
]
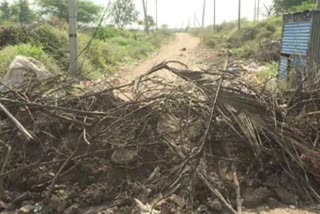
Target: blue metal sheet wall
[
  {"x": 296, "y": 37},
  {"x": 283, "y": 68}
]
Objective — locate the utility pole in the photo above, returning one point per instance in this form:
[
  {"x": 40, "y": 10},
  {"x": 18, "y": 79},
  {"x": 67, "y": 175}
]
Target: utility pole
[
  {"x": 157, "y": 14},
  {"x": 146, "y": 27},
  {"x": 258, "y": 10},
  {"x": 73, "y": 38},
  {"x": 255, "y": 11},
  {"x": 214, "y": 15},
  {"x": 239, "y": 15},
  {"x": 203, "y": 12}
]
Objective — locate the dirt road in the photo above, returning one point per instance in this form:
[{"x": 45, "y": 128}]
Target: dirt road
[{"x": 181, "y": 48}]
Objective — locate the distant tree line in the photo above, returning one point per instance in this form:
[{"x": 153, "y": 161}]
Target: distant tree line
[
  {"x": 122, "y": 12},
  {"x": 282, "y": 6}
]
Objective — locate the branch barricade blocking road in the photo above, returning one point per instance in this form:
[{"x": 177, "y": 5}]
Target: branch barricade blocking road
[{"x": 204, "y": 140}]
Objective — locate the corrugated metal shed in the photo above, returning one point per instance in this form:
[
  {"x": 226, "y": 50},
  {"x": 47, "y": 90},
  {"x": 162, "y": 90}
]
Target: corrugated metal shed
[{"x": 300, "y": 43}]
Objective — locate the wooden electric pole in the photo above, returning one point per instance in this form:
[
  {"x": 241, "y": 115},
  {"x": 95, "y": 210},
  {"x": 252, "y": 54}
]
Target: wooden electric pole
[
  {"x": 203, "y": 12},
  {"x": 258, "y": 10},
  {"x": 73, "y": 38},
  {"x": 239, "y": 15},
  {"x": 146, "y": 25},
  {"x": 255, "y": 11},
  {"x": 214, "y": 15},
  {"x": 157, "y": 14}
]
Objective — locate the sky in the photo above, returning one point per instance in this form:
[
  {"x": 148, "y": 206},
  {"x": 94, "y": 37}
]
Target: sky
[{"x": 178, "y": 13}]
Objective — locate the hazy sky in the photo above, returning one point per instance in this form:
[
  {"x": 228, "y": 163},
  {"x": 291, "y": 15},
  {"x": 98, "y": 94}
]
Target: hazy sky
[{"x": 177, "y": 13}]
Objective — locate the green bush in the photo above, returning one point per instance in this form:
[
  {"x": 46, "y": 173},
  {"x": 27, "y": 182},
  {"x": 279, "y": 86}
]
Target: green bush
[
  {"x": 8, "y": 54},
  {"x": 268, "y": 72},
  {"x": 11, "y": 34},
  {"x": 105, "y": 33},
  {"x": 54, "y": 42},
  {"x": 264, "y": 35},
  {"x": 247, "y": 42}
]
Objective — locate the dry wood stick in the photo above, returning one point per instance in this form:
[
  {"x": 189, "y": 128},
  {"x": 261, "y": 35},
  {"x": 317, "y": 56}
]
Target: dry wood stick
[
  {"x": 4, "y": 166},
  {"x": 17, "y": 123}
]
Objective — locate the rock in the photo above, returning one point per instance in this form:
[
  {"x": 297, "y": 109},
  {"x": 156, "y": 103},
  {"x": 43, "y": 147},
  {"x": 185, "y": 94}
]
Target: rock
[
  {"x": 73, "y": 209},
  {"x": 257, "y": 197},
  {"x": 286, "y": 196},
  {"x": 292, "y": 207},
  {"x": 202, "y": 209},
  {"x": 27, "y": 203},
  {"x": 216, "y": 205},
  {"x": 27, "y": 209},
  {"x": 20, "y": 69}
]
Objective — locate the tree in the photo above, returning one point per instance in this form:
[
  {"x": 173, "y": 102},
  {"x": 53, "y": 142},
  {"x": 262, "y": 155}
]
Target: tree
[
  {"x": 282, "y": 6},
  {"x": 150, "y": 21},
  {"x": 5, "y": 11},
  {"x": 88, "y": 11},
  {"x": 123, "y": 13},
  {"x": 20, "y": 12},
  {"x": 25, "y": 14}
]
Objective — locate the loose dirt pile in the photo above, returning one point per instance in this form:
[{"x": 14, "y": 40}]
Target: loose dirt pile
[{"x": 209, "y": 143}]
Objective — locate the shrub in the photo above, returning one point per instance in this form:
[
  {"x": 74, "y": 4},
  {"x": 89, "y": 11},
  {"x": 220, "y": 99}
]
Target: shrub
[
  {"x": 54, "y": 42},
  {"x": 264, "y": 35},
  {"x": 268, "y": 72},
  {"x": 12, "y": 35},
  {"x": 107, "y": 33}
]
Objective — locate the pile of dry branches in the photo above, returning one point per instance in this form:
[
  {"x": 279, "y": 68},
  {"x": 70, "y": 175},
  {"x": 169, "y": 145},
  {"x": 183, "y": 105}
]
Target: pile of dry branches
[{"x": 208, "y": 137}]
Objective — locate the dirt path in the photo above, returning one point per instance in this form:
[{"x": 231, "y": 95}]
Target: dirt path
[{"x": 181, "y": 48}]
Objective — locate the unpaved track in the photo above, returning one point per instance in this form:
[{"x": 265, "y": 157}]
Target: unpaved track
[{"x": 181, "y": 48}]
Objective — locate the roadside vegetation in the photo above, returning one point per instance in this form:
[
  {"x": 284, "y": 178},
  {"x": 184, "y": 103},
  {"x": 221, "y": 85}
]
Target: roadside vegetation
[
  {"x": 258, "y": 40},
  {"x": 28, "y": 34}
]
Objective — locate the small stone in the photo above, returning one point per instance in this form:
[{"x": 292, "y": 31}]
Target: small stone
[
  {"x": 292, "y": 207},
  {"x": 27, "y": 203},
  {"x": 27, "y": 209},
  {"x": 124, "y": 156}
]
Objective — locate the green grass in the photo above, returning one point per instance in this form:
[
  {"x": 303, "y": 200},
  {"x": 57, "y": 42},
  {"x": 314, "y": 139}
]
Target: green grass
[
  {"x": 108, "y": 50},
  {"x": 246, "y": 43},
  {"x": 268, "y": 72}
]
